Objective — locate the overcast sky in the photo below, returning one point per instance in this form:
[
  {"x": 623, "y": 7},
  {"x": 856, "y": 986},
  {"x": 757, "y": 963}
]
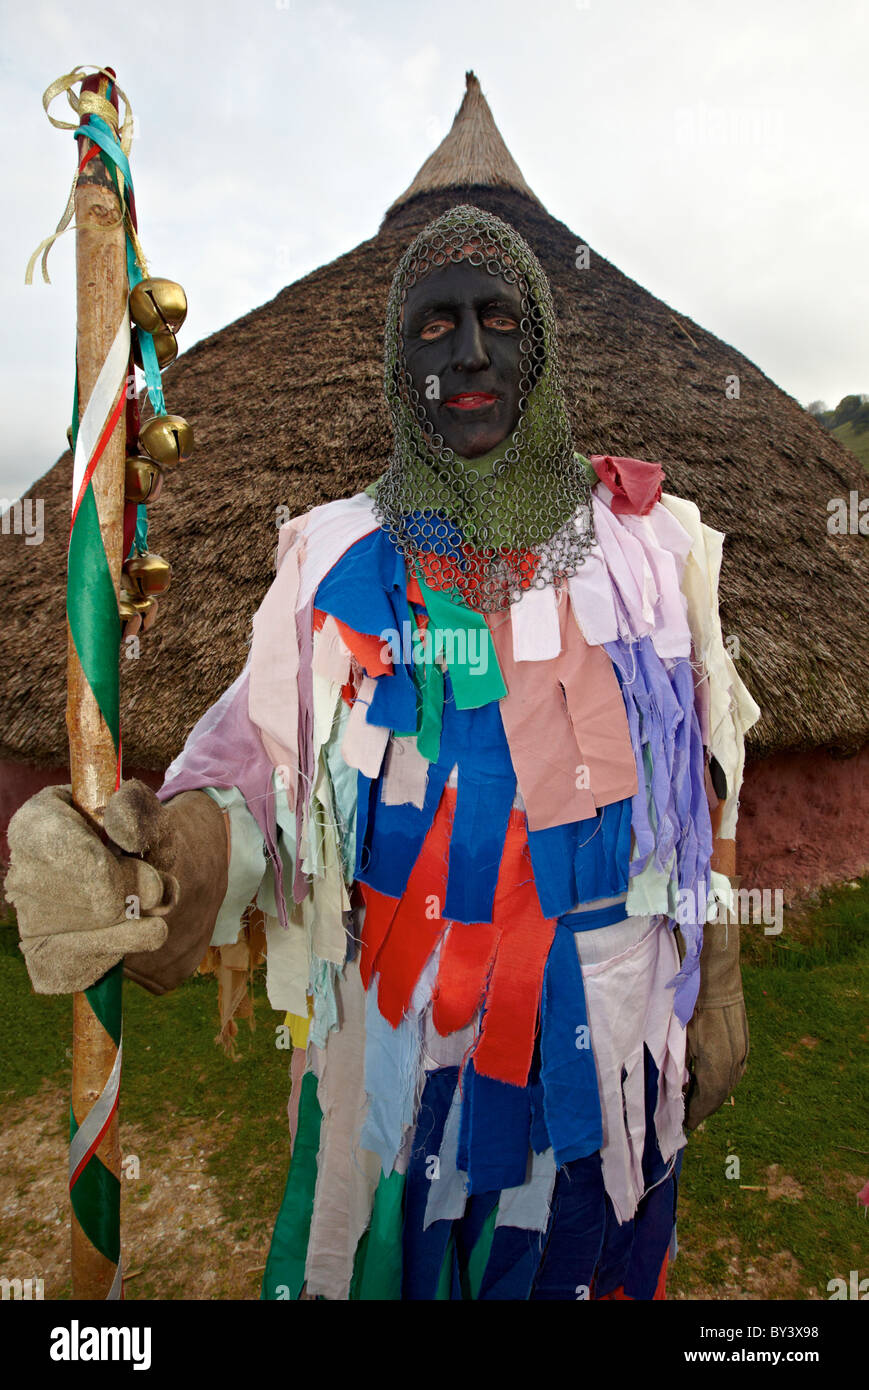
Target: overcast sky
[{"x": 716, "y": 153}]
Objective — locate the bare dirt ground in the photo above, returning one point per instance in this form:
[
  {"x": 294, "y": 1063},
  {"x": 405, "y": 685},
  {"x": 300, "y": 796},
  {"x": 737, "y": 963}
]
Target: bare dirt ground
[{"x": 177, "y": 1242}]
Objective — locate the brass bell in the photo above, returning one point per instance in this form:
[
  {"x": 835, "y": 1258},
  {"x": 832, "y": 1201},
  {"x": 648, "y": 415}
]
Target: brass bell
[
  {"x": 146, "y": 609},
  {"x": 143, "y": 480},
  {"x": 146, "y": 575},
  {"x": 167, "y": 438},
  {"x": 157, "y": 304},
  {"x": 165, "y": 345},
  {"x": 129, "y": 615},
  {"x": 127, "y": 607}
]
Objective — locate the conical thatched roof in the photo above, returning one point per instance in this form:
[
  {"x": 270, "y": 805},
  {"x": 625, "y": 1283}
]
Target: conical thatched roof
[
  {"x": 471, "y": 155},
  {"x": 288, "y": 409}
]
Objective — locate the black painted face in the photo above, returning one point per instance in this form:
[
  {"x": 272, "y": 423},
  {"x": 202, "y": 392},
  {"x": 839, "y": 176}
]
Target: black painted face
[{"x": 461, "y": 345}]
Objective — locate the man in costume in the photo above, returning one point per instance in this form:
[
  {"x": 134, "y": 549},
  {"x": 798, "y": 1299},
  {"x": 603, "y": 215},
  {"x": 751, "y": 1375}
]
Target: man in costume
[{"x": 480, "y": 772}]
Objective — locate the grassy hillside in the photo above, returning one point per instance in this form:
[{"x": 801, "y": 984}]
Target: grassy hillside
[{"x": 856, "y": 441}]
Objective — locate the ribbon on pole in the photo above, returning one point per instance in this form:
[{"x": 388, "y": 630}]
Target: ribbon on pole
[
  {"x": 105, "y": 527},
  {"x": 109, "y": 262}
]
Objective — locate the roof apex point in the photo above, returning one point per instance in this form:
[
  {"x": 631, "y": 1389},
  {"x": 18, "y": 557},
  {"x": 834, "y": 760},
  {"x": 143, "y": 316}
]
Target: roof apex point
[{"x": 471, "y": 154}]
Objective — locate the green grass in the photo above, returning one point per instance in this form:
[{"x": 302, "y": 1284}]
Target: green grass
[
  {"x": 855, "y": 440},
  {"x": 802, "y": 1104}
]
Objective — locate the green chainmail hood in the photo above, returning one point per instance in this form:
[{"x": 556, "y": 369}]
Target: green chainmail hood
[{"x": 488, "y": 528}]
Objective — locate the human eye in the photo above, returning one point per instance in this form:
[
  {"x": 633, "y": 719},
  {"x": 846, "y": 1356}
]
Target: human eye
[
  {"x": 501, "y": 321},
  {"x": 435, "y": 328}
]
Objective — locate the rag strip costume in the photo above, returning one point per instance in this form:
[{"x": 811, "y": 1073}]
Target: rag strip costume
[{"x": 465, "y": 770}]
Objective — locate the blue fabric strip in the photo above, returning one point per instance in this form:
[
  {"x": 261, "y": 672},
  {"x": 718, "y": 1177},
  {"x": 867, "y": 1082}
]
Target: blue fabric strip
[
  {"x": 367, "y": 589},
  {"x": 475, "y": 741},
  {"x": 494, "y": 1136},
  {"x": 512, "y": 1265},
  {"x": 424, "y": 1251},
  {"x": 389, "y": 838},
  {"x": 391, "y": 1063},
  {"x": 576, "y": 1232},
  {"x": 571, "y": 1102},
  {"x": 595, "y": 917},
  {"x": 583, "y": 861}
]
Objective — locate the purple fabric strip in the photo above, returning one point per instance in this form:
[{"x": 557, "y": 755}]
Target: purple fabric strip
[
  {"x": 224, "y": 749},
  {"x": 660, "y": 701},
  {"x": 304, "y": 790}
]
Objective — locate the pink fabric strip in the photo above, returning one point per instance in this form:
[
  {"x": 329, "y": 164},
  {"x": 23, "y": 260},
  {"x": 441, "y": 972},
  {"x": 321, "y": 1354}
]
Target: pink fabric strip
[
  {"x": 629, "y": 1004},
  {"x": 406, "y": 775},
  {"x": 273, "y": 702},
  {"x": 566, "y": 727},
  {"x": 591, "y": 597},
  {"x": 346, "y": 1174},
  {"x": 297, "y": 1071},
  {"x": 628, "y": 568},
  {"x": 671, "y": 636},
  {"x": 331, "y": 656},
  {"x": 635, "y": 483},
  {"x": 364, "y": 744}
]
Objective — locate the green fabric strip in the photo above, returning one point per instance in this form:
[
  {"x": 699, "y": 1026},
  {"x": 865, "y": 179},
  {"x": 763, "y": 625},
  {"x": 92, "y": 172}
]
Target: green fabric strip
[
  {"x": 428, "y": 740},
  {"x": 468, "y": 647},
  {"x": 377, "y": 1269},
  {"x": 480, "y": 1254},
  {"x": 429, "y": 680},
  {"x": 92, "y": 609},
  {"x": 96, "y": 1201},
  {"x": 589, "y": 467},
  {"x": 285, "y": 1266}
]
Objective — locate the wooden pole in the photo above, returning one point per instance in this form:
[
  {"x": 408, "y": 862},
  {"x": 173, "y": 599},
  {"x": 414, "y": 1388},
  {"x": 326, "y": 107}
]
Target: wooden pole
[{"x": 102, "y": 300}]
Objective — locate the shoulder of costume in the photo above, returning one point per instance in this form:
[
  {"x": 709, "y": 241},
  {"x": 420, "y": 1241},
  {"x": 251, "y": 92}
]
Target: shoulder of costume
[{"x": 322, "y": 535}]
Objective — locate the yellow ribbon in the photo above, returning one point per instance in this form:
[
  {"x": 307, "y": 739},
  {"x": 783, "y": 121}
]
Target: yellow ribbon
[{"x": 85, "y": 104}]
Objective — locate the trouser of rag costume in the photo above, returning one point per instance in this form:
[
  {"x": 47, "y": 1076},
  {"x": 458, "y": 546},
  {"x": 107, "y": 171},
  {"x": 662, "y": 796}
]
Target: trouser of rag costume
[{"x": 442, "y": 1183}]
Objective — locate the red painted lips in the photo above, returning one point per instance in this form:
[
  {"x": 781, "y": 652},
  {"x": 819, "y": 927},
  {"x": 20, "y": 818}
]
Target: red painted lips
[{"x": 471, "y": 400}]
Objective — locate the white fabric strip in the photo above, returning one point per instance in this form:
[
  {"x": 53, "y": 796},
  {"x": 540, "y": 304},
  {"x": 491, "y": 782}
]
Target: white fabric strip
[
  {"x": 111, "y": 380},
  {"x": 629, "y": 1004},
  {"x": 535, "y": 625}
]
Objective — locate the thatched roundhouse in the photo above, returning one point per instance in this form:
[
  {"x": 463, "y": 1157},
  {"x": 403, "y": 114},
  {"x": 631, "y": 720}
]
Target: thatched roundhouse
[{"x": 288, "y": 408}]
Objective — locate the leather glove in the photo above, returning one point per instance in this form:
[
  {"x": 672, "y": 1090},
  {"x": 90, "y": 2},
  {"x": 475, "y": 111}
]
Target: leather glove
[
  {"x": 71, "y": 890},
  {"x": 718, "y": 1029}
]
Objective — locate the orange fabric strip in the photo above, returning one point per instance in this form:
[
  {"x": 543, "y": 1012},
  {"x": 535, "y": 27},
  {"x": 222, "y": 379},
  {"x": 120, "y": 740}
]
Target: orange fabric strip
[
  {"x": 466, "y": 961},
  {"x": 418, "y": 925},
  {"x": 508, "y": 955},
  {"x": 509, "y": 1024},
  {"x": 367, "y": 649},
  {"x": 379, "y": 912}
]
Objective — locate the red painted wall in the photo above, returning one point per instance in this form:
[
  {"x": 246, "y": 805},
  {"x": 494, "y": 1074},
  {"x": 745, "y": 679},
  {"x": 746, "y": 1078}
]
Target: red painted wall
[{"x": 804, "y": 821}]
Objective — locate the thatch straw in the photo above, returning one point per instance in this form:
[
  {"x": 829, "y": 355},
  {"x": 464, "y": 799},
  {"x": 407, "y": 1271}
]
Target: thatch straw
[{"x": 471, "y": 153}]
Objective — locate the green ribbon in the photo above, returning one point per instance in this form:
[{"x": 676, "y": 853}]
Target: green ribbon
[
  {"x": 92, "y": 609},
  {"x": 96, "y": 1201}
]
